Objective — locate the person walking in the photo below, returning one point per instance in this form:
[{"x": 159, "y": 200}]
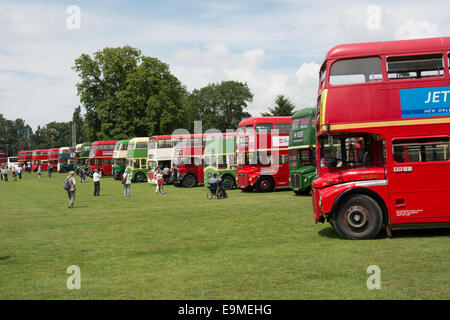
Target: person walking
[
  {"x": 126, "y": 180},
  {"x": 29, "y": 167},
  {"x": 39, "y": 171},
  {"x": 81, "y": 173},
  {"x": 3, "y": 173},
  {"x": 71, "y": 188},
  {"x": 14, "y": 174},
  {"x": 49, "y": 171},
  {"x": 19, "y": 172},
  {"x": 160, "y": 180},
  {"x": 96, "y": 177}
]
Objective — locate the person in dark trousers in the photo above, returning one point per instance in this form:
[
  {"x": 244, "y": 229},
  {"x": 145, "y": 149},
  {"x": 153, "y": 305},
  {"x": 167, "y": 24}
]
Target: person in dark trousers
[
  {"x": 50, "y": 171},
  {"x": 5, "y": 174},
  {"x": 96, "y": 177}
]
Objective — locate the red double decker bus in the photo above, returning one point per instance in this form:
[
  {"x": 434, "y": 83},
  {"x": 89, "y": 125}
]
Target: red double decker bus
[
  {"x": 187, "y": 162},
  {"x": 262, "y": 153},
  {"x": 39, "y": 158},
  {"x": 24, "y": 157},
  {"x": 53, "y": 159},
  {"x": 3, "y": 160},
  {"x": 383, "y": 136},
  {"x": 101, "y": 157}
]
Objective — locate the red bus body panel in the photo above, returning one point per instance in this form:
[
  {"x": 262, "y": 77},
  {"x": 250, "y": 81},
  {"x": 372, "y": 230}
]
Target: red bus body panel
[
  {"x": 53, "y": 158},
  {"x": 24, "y": 157},
  {"x": 41, "y": 158},
  {"x": 415, "y": 192},
  {"x": 102, "y": 155}
]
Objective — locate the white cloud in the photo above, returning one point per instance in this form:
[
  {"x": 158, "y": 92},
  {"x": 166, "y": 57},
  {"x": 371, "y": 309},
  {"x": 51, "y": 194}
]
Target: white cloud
[
  {"x": 414, "y": 30},
  {"x": 199, "y": 68}
]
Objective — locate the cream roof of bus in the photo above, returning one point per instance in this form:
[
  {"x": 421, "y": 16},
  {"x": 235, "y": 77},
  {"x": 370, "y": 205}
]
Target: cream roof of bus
[{"x": 139, "y": 139}]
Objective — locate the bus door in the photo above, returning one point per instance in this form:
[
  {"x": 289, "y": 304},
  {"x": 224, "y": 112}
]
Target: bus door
[{"x": 419, "y": 188}]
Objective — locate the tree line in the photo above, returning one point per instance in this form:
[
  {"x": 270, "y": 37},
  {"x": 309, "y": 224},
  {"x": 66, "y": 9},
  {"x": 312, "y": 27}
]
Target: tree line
[{"x": 125, "y": 94}]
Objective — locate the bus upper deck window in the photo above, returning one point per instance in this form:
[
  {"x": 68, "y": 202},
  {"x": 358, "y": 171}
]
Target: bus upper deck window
[
  {"x": 359, "y": 70},
  {"x": 264, "y": 127},
  {"x": 415, "y": 67}
]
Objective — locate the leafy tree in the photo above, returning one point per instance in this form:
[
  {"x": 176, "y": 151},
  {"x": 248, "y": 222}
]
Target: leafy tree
[
  {"x": 80, "y": 128},
  {"x": 126, "y": 94},
  {"x": 283, "y": 107},
  {"x": 220, "y": 105},
  {"x": 14, "y": 136}
]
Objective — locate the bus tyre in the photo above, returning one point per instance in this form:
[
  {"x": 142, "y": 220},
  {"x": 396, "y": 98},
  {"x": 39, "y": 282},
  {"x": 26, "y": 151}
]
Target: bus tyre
[
  {"x": 189, "y": 181},
  {"x": 140, "y": 177},
  {"x": 119, "y": 176},
  {"x": 360, "y": 217},
  {"x": 228, "y": 182},
  {"x": 264, "y": 185}
]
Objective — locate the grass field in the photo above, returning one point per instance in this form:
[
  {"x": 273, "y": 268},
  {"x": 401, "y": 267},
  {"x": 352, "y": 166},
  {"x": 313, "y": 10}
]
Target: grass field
[{"x": 182, "y": 246}]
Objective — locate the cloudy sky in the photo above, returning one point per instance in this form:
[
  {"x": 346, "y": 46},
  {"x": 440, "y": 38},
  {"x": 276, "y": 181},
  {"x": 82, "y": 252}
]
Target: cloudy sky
[{"x": 276, "y": 46}]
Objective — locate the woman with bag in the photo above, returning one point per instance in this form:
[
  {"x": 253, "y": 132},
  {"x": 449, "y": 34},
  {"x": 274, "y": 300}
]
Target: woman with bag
[{"x": 126, "y": 181}]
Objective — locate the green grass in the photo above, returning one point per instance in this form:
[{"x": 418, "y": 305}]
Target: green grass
[{"x": 182, "y": 246}]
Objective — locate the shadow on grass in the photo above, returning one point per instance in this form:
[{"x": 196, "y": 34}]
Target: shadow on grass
[
  {"x": 422, "y": 232},
  {"x": 5, "y": 258},
  {"x": 329, "y": 232}
]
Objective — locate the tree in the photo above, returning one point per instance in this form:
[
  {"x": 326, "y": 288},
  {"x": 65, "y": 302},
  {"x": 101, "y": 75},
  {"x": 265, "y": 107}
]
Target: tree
[
  {"x": 220, "y": 105},
  {"x": 283, "y": 107},
  {"x": 126, "y": 94},
  {"x": 80, "y": 128},
  {"x": 14, "y": 135}
]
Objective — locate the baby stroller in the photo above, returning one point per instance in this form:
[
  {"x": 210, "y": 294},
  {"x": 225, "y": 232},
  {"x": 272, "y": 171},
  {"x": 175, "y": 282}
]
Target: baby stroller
[{"x": 216, "y": 190}]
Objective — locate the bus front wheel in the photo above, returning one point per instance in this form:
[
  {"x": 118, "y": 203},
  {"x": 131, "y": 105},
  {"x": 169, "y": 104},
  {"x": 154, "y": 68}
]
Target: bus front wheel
[
  {"x": 360, "y": 217},
  {"x": 140, "y": 177},
  {"x": 264, "y": 185},
  {"x": 189, "y": 181},
  {"x": 228, "y": 182}
]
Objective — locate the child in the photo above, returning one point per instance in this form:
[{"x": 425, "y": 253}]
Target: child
[{"x": 160, "y": 180}]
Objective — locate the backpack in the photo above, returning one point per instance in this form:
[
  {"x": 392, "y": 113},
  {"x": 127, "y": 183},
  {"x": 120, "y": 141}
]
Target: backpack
[{"x": 67, "y": 184}]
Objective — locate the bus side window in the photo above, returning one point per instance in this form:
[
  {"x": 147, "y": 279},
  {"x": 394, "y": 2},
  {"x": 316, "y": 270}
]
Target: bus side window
[{"x": 143, "y": 164}]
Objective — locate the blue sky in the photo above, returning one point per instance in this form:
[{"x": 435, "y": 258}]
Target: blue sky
[{"x": 276, "y": 46}]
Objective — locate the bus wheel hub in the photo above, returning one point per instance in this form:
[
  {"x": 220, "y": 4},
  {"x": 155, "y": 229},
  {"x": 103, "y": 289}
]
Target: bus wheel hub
[{"x": 356, "y": 216}]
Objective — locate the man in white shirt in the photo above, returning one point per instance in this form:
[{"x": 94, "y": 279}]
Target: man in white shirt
[
  {"x": 96, "y": 177},
  {"x": 19, "y": 172}
]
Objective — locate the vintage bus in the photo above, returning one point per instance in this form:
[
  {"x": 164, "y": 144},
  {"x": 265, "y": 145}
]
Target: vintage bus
[
  {"x": 302, "y": 160},
  {"x": 382, "y": 142},
  {"x": 120, "y": 158},
  {"x": 3, "y": 160},
  {"x": 220, "y": 157},
  {"x": 188, "y": 153},
  {"x": 262, "y": 153},
  {"x": 66, "y": 159},
  {"x": 137, "y": 155},
  {"x": 39, "y": 158},
  {"x": 81, "y": 159},
  {"x": 160, "y": 153},
  {"x": 24, "y": 157},
  {"x": 100, "y": 157},
  {"x": 53, "y": 159}
]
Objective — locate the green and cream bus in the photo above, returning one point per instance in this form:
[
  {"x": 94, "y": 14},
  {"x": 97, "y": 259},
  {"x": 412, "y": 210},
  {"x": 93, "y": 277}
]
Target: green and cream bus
[
  {"x": 120, "y": 158},
  {"x": 137, "y": 155},
  {"x": 220, "y": 157},
  {"x": 302, "y": 162}
]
